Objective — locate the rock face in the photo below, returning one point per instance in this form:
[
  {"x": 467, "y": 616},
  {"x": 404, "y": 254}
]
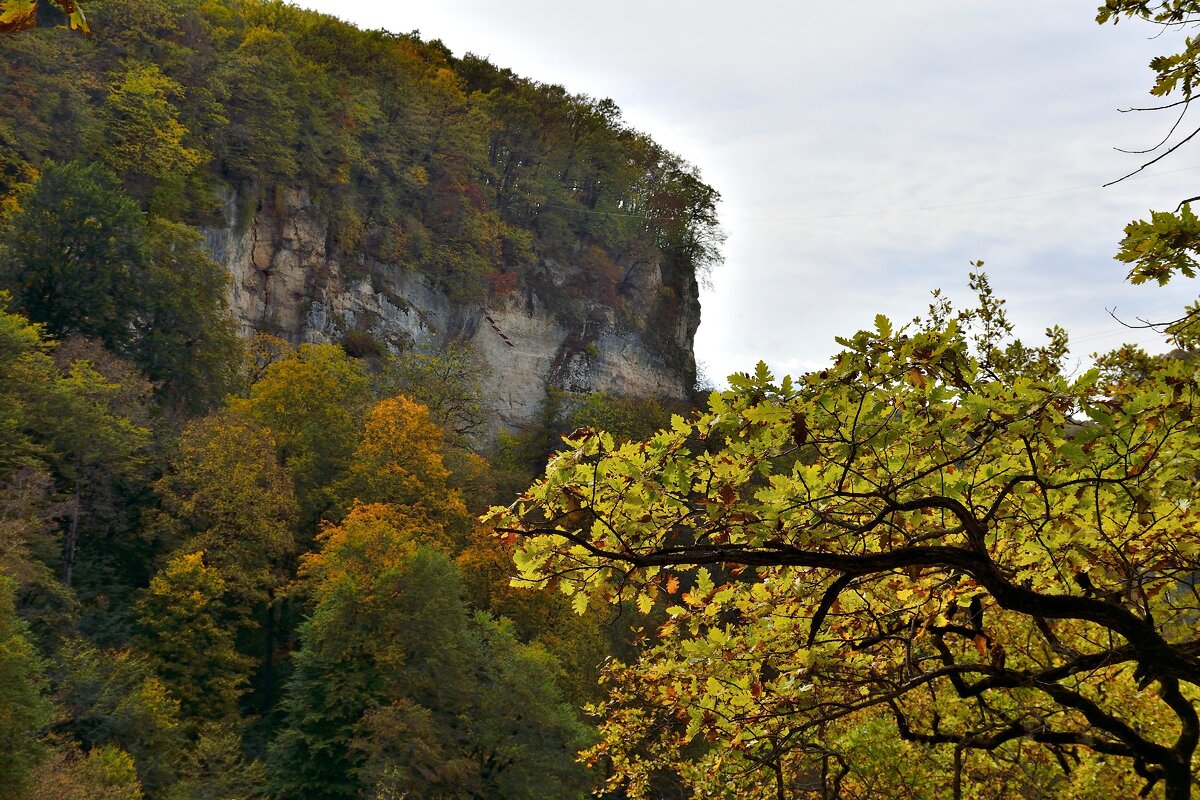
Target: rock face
[{"x": 286, "y": 280}]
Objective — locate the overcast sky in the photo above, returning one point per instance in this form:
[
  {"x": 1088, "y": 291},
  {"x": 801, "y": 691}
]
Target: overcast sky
[{"x": 867, "y": 153}]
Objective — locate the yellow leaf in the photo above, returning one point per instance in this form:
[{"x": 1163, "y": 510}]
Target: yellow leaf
[
  {"x": 17, "y": 15},
  {"x": 645, "y": 603}
]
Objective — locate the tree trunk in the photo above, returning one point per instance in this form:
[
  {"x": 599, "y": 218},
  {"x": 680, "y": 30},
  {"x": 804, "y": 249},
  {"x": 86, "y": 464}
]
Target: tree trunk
[
  {"x": 268, "y": 700},
  {"x": 72, "y": 543},
  {"x": 1178, "y": 784}
]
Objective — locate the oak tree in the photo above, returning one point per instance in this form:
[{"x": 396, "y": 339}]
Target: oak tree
[{"x": 945, "y": 534}]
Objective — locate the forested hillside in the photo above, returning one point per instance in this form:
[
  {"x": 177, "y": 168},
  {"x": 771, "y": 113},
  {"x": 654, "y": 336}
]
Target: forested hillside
[
  {"x": 257, "y": 541},
  {"x": 234, "y": 564}
]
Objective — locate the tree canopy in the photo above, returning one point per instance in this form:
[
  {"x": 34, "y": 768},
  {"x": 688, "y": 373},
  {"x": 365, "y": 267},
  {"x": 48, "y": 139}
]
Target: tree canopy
[{"x": 944, "y": 529}]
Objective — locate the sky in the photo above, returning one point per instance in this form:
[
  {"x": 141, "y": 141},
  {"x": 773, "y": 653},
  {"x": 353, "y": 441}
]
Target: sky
[{"x": 866, "y": 154}]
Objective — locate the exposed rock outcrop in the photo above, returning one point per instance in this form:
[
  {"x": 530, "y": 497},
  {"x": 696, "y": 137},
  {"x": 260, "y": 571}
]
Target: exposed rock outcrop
[{"x": 287, "y": 280}]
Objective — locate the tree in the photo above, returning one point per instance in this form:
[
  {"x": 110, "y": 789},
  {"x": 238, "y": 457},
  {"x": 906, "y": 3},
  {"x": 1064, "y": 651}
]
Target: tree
[
  {"x": 24, "y": 710},
  {"x": 313, "y": 401},
  {"x": 81, "y": 258},
  {"x": 225, "y": 493},
  {"x": 185, "y": 631},
  {"x": 943, "y": 534},
  {"x": 64, "y": 434},
  {"x": 103, "y": 773},
  {"x": 399, "y": 462},
  {"x": 77, "y": 255},
  {"x": 448, "y": 383},
  {"x": 215, "y": 769},
  {"x": 144, "y": 134},
  {"x": 398, "y": 687},
  {"x": 113, "y": 697},
  {"x": 1168, "y": 243}
]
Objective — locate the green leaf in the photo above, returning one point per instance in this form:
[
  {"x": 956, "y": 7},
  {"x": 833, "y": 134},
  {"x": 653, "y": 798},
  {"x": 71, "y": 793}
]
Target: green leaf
[
  {"x": 579, "y": 602},
  {"x": 883, "y": 326},
  {"x": 17, "y": 15}
]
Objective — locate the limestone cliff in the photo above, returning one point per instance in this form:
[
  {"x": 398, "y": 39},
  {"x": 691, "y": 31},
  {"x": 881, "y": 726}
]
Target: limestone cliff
[{"x": 287, "y": 280}]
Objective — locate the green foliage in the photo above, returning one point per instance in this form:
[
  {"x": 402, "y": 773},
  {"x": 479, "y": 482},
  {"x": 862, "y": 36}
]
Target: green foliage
[
  {"x": 214, "y": 768},
  {"x": 114, "y": 698},
  {"x": 226, "y": 494},
  {"x": 24, "y": 710},
  {"x": 397, "y": 687},
  {"x": 361, "y": 344},
  {"x": 312, "y": 401},
  {"x": 144, "y": 288},
  {"x": 68, "y": 452},
  {"x": 943, "y": 534},
  {"x": 624, "y": 417},
  {"x": 259, "y": 87},
  {"x": 144, "y": 137},
  {"x": 84, "y": 283},
  {"x": 186, "y": 633},
  {"x": 187, "y": 339},
  {"x": 454, "y": 167},
  {"x": 1163, "y": 247},
  {"x": 103, "y": 773},
  {"x": 448, "y": 383}
]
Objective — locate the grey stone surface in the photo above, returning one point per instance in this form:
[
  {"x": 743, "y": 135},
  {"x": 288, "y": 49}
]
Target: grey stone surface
[{"x": 286, "y": 281}]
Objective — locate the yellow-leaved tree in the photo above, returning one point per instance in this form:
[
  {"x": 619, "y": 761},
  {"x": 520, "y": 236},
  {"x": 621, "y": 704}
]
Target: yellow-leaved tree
[
  {"x": 399, "y": 462},
  {"x": 944, "y": 541}
]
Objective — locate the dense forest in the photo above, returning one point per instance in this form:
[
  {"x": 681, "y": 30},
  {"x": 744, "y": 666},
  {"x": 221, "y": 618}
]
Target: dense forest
[
  {"x": 948, "y": 565},
  {"x": 236, "y": 568}
]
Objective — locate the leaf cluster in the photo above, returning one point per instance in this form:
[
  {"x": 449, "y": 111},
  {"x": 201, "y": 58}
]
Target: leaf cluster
[{"x": 985, "y": 553}]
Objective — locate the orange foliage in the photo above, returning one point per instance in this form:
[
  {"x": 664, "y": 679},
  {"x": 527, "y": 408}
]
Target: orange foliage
[
  {"x": 501, "y": 283},
  {"x": 372, "y": 538},
  {"x": 399, "y": 461}
]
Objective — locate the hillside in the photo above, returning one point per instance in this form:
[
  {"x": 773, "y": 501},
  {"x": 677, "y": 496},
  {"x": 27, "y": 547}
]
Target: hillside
[
  {"x": 365, "y": 183},
  {"x": 284, "y": 306}
]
